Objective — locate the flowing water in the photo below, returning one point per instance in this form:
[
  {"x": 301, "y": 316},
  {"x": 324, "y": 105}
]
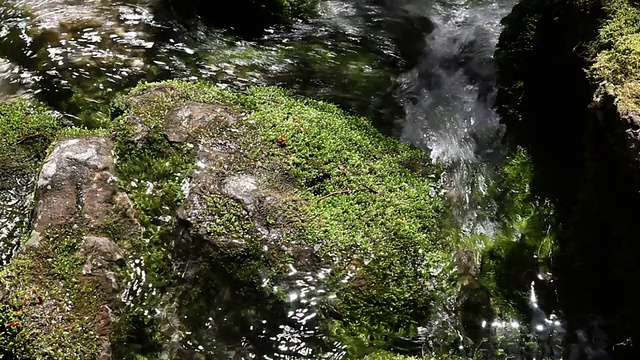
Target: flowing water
[{"x": 423, "y": 71}]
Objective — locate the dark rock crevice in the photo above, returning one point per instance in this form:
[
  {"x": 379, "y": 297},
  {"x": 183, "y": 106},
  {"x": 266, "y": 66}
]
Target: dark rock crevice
[{"x": 582, "y": 162}]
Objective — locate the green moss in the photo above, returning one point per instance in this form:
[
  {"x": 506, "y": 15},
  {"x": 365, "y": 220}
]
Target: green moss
[
  {"x": 617, "y": 55},
  {"x": 152, "y": 174},
  {"x": 79, "y": 132},
  {"x": 49, "y": 304},
  {"x": 231, "y": 220},
  {"x": 372, "y": 213},
  {"x": 525, "y": 244},
  {"x": 27, "y": 131},
  {"x": 364, "y": 200},
  {"x": 21, "y": 121},
  {"x": 388, "y": 356}
]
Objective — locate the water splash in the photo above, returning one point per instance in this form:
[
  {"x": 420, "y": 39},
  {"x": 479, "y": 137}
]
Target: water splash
[{"x": 448, "y": 100}]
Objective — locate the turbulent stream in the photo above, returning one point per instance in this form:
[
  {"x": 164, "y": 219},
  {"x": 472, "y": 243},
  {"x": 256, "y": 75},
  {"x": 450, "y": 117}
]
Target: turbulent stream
[{"x": 421, "y": 70}]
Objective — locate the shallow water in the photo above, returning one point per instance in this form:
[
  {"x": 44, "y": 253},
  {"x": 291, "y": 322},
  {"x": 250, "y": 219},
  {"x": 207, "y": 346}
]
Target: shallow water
[{"x": 76, "y": 55}]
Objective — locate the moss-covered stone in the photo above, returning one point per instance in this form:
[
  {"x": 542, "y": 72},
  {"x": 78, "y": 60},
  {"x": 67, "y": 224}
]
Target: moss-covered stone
[
  {"x": 60, "y": 292},
  {"x": 213, "y": 195},
  {"x": 48, "y": 309},
  {"x": 616, "y": 66},
  {"x": 328, "y": 181}
]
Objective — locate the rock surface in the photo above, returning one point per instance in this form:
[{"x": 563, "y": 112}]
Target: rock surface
[
  {"x": 213, "y": 177},
  {"x": 76, "y": 176},
  {"x": 75, "y": 199}
]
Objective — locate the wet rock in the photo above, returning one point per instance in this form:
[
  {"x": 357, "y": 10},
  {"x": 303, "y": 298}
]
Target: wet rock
[
  {"x": 172, "y": 329},
  {"x": 34, "y": 240},
  {"x": 77, "y": 176},
  {"x": 188, "y": 119},
  {"x": 306, "y": 258},
  {"x": 466, "y": 262},
  {"x": 74, "y": 200},
  {"x": 211, "y": 184},
  {"x": 102, "y": 248},
  {"x": 104, "y": 321},
  {"x": 245, "y": 220},
  {"x": 140, "y": 129},
  {"x": 103, "y": 256},
  {"x": 242, "y": 188}
]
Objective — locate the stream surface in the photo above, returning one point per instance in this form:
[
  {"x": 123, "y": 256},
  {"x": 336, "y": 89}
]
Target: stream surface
[{"x": 423, "y": 71}]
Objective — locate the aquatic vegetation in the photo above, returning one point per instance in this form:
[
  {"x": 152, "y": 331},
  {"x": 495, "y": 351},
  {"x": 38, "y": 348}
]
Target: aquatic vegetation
[
  {"x": 577, "y": 127},
  {"x": 525, "y": 246}
]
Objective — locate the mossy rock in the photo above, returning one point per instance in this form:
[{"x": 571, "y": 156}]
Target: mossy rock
[
  {"x": 616, "y": 66},
  {"x": 60, "y": 290},
  {"x": 221, "y": 204},
  {"x": 265, "y": 182}
]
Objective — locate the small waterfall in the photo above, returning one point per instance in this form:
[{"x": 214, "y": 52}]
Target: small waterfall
[{"x": 448, "y": 99}]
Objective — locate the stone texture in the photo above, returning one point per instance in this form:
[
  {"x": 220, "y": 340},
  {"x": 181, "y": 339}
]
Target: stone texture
[
  {"x": 103, "y": 257},
  {"x": 76, "y": 176},
  {"x": 242, "y": 188},
  {"x": 196, "y": 123},
  {"x": 188, "y": 119}
]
